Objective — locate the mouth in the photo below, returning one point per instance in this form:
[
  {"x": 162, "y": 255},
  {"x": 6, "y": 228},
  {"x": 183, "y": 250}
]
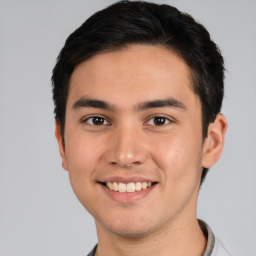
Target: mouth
[{"x": 131, "y": 187}]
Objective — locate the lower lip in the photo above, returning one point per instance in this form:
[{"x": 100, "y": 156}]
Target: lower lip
[{"x": 128, "y": 197}]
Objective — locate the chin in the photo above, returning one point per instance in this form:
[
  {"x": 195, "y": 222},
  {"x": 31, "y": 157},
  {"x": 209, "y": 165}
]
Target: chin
[
  {"x": 129, "y": 227},
  {"x": 131, "y": 232}
]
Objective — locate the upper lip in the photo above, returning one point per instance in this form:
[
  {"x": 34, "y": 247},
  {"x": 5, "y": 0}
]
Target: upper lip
[{"x": 126, "y": 180}]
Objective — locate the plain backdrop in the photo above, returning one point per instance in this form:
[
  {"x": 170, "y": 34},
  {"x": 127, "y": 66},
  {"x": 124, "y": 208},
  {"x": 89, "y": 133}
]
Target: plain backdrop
[{"x": 39, "y": 214}]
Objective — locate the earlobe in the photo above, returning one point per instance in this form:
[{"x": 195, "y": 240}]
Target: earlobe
[
  {"x": 214, "y": 143},
  {"x": 60, "y": 144}
]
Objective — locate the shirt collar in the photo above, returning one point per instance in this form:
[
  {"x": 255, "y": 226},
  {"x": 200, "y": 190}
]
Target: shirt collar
[{"x": 209, "y": 236}]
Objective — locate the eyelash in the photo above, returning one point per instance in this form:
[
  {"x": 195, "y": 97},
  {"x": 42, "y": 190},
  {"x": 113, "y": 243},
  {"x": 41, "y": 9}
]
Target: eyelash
[
  {"x": 161, "y": 118},
  {"x": 92, "y": 119}
]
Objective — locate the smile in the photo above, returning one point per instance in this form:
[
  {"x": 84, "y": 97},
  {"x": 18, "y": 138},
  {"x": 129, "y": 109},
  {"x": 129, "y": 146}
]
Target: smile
[
  {"x": 127, "y": 190},
  {"x": 130, "y": 187}
]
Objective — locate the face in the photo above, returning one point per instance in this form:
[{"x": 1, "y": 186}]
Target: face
[{"x": 133, "y": 140}]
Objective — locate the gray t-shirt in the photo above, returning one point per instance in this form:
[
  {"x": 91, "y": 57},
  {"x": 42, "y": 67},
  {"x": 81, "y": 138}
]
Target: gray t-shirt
[{"x": 214, "y": 246}]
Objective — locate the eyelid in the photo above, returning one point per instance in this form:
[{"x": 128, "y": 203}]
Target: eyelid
[
  {"x": 86, "y": 118},
  {"x": 170, "y": 120}
]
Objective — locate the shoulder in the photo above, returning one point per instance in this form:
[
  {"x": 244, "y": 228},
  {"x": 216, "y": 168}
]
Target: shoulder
[
  {"x": 214, "y": 246},
  {"x": 219, "y": 249},
  {"x": 92, "y": 252}
]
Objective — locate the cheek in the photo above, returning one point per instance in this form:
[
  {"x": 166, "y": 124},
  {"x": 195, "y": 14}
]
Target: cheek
[
  {"x": 81, "y": 164},
  {"x": 179, "y": 157},
  {"x": 81, "y": 167},
  {"x": 79, "y": 155}
]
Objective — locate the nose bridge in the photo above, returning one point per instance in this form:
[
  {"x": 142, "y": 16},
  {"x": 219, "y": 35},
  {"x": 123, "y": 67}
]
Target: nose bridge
[{"x": 126, "y": 146}]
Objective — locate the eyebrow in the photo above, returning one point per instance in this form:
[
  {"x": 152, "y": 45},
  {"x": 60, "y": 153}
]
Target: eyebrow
[
  {"x": 92, "y": 103},
  {"x": 95, "y": 103},
  {"x": 169, "y": 102}
]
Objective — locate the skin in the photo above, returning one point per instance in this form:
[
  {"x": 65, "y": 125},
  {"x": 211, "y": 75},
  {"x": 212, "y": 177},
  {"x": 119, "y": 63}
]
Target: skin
[{"x": 128, "y": 143}]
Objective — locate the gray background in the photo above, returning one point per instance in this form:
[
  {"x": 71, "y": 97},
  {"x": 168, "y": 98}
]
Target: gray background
[{"x": 39, "y": 214}]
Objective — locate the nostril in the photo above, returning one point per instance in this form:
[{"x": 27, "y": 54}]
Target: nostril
[{"x": 125, "y": 164}]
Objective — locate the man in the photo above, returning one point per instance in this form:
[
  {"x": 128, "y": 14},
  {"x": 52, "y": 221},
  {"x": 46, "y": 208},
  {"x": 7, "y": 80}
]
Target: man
[{"x": 138, "y": 90}]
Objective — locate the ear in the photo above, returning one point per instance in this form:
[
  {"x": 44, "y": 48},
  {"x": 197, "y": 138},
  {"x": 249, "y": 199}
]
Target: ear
[
  {"x": 61, "y": 145},
  {"x": 214, "y": 142}
]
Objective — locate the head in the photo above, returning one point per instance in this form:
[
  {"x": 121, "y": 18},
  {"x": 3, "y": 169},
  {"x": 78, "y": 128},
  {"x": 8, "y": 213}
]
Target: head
[
  {"x": 135, "y": 22},
  {"x": 137, "y": 91}
]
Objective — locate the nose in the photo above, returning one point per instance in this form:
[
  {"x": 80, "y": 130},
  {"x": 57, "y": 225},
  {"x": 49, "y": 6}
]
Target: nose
[{"x": 126, "y": 147}]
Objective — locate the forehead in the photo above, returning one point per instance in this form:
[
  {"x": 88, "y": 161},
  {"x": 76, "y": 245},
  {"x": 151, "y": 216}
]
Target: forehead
[{"x": 135, "y": 73}]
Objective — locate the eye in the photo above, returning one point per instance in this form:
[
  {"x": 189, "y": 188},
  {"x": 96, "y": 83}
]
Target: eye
[
  {"x": 158, "y": 121},
  {"x": 96, "y": 120}
]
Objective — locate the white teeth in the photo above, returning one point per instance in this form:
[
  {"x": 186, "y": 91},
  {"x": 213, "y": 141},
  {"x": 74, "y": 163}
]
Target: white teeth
[
  {"x": 138, "y": 186},
  {"x": 144, "y": 185},
  {"x": 122, "y": 187},
  {"x": 115, "y": 186},
  {"x": 110, "y": 185},
  {"x": 130, "y": 187}
]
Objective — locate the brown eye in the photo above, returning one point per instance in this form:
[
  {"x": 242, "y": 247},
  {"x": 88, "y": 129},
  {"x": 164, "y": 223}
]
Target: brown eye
[
  {"x": 158, "y": 121},
  {"x": 96, "y": 120}
]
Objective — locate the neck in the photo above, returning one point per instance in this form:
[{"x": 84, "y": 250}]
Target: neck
[{"x": 183, "y": 238}]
